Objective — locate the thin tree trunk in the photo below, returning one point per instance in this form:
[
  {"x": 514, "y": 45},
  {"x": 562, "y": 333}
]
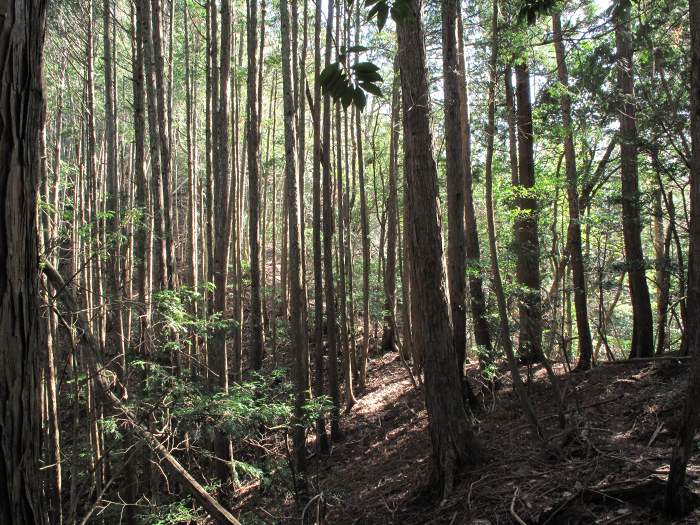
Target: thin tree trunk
[
  {"x": 662, "y": 246},
  {"x": 253, "y": 137},
  {"x": 192, "y": 251},
  {"x": 342, "y": 296},
  {"x": 392, "y": 217},
  {"x": 328, "y": 243},
  {"x": 512, "y": 126},
  {"x": 477, "y": 298},
  {"x": 585, "y": 343},
  {"x": 364, "y": 225},
  {"x": 321, "y": 435}
]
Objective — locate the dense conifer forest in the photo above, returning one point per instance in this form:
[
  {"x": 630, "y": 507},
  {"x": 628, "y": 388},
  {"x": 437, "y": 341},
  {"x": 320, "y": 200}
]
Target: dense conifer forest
[{"x": 349, "y": 262}]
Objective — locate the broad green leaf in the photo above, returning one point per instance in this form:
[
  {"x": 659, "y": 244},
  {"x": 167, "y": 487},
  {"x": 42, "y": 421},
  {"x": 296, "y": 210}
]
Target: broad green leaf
[
  {"x": 359, "y": 98},
  {"x": 371, "y": 88},
  {"x": 370, "y": 76},
  {"x": 363, "y": 67},
  {"x": 347, "y": 96},
  {"x": 327, "y": 72}
]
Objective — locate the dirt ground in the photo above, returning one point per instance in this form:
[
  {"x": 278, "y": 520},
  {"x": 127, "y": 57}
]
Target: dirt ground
[{"x": 609, "y": 469}]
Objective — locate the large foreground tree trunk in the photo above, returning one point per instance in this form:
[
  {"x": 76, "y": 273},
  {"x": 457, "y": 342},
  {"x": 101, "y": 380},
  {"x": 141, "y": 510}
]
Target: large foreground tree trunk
[
  {"x": 675, "y": 501},
  {"x": 453, "y": 441},
  {"x": 22, "y": 27}
]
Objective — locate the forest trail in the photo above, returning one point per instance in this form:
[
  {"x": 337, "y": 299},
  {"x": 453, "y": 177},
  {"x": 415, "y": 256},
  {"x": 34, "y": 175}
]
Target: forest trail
[{"x": 608, "y": 473}]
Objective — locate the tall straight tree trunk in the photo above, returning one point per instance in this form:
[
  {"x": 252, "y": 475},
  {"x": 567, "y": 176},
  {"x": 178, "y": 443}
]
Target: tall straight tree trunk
[
  {"x": 321, "y": 435},
  {"x": 526, "y": 235},
  {"x": 512, "y": 126},
  {"x": 164, "y": 136},
  {"x": 95, "y": 288},
  {"x": 142, "y": 239},
  {"x": 143, "y": 13},
  {"x": 297, "y": 296},
  {"x": 454, "y": 443},
  {"x": 113, "y": 180},
  {"x": 222, "y": 228},
  {"x": 253, "y": 137},
  {"x": 456, "y": 238},
  {"x": 21, "y": 120},
  {"x": 642, "y": 320},
  {"x": 51, "y": 224},
  {"x": 212, "y": 95},
  {"x": 192, "y": 235},
  {"x": 235, "y": 211},
  {"x": 329, "y": 283},
  {"x": 342, "y": 261},
  {"x": 301, "y": 132},
  {"x": 364, "y": 225},
  {"x": 585, "y": 342},
  {"x": 392, "y": 218},
  {"x": 677, "y": 500}
]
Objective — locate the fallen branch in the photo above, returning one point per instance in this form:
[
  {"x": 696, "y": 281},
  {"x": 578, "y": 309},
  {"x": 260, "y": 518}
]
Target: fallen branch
[
  {"x": 517, "y": 518},
  {"x": 97, "y": 369}
]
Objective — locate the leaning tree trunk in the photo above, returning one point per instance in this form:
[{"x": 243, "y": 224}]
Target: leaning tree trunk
[
  {"x": 676, "y": 500},
  {"x": 642, "y": 320},
  {"x": 453, "y": 440},
  {"x": 21, "y": 120}
]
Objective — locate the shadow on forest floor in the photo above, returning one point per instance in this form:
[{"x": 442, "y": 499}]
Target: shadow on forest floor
[{"x": 610, "y": 470}]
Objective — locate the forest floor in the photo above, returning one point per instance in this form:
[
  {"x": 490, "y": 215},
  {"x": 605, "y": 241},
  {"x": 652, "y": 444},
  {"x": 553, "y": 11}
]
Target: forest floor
[{"x": 611, "y": 469}]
